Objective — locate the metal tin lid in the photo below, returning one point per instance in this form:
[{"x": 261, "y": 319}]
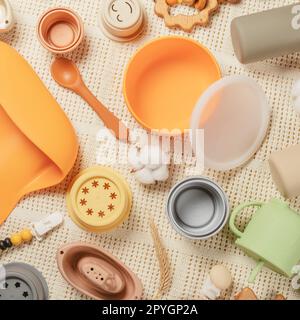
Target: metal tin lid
[
  {"x": 99, "y": 199},
  {"x": 122, "y": 20},
  {"x": 20, "y": 281},
  {"x": 197, "y": 208}
]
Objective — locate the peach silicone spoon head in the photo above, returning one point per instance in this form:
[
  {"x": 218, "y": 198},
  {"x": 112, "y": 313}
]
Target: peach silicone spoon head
[{"x": 66, "y": 74}]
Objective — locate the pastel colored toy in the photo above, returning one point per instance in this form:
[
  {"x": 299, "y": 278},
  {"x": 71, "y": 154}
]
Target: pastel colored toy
[
  {"x": 6, "y": 16},
  {"x": 284, "y": 164},
  {"x": 187, "y": 22},
  {"x": 60, "y": 30},
  {"x": 248, "y": 294},
  {"x": 97, "y": 273},
  {"x": 165, "y": 75},
  {"x": 66, "y": 74},
  {"x": 276, "y": 33},
  {"x": 284, "y": 167},
  {"x": 219, "y": 279},
  {"x": 99, "y": 199},
  {"x": 21, "y": 281},
  {"x": 39, "y": 230},
  {"x": 122, "y": 20},
  {"x": 37, "y": 141},
  {"x": 271, "y": 237}
]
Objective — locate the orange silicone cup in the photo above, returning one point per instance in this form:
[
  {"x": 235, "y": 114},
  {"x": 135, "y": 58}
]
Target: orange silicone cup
[{"x": 60, "y": 15}]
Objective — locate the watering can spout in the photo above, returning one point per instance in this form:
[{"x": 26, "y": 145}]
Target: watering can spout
[{"x": 255, "y": 271}]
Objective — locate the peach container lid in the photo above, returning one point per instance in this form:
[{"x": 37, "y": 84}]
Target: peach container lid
[{"x": 60, "y": 30}]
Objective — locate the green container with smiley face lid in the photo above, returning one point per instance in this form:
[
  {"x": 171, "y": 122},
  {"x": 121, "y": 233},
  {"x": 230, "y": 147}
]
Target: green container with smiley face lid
[{"x": 122, "y": 20}]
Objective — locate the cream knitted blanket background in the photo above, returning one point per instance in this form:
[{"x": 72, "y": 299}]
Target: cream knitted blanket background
[{"x": 102, "y": 64}]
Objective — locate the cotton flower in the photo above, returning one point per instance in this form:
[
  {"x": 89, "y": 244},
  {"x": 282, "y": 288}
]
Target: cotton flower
[{"x": 149, "y": 163}]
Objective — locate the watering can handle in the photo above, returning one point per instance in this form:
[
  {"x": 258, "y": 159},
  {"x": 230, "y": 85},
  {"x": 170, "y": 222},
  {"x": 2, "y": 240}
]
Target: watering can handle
[{"x": 236, "y": 211}]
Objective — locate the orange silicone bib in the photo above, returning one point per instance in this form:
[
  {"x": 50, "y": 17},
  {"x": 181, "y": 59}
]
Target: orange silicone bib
[{"x": 38, "y": 145}]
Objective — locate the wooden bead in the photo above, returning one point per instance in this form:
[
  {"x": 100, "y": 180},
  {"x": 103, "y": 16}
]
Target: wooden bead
[
  {"x": 16, "y": 239},
  {"x": 26, "y": 235},
  {"x": 7, "y": 243},
  {"x": 2, "y": 246}
]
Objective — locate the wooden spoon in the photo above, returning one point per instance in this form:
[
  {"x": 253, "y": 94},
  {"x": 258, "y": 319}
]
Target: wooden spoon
[{"x": 66, "y": 74}]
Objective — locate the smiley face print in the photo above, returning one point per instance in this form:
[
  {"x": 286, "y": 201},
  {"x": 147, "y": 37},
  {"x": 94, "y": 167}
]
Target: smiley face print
[{"x": 124, "y": 13}]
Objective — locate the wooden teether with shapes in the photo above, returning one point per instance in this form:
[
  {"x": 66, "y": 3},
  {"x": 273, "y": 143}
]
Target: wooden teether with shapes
[
  {"x": 185, "y": 22},
  {"x": 248, "y": 294},
  {"x": 200, "y": 4}
]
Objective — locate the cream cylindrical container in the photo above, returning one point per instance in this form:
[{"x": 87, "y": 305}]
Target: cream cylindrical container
[
  {"x": 285, "y": 169},
  {"x": 266, "y": 34},
  {"x": 122, "y": 20}
]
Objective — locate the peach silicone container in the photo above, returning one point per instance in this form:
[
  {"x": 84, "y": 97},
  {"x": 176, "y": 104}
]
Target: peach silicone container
[
  {"x": 37, "y": 141},
  {"x": 97, "y": 273},
  {"x": 164, "y": 80},
  {"x": 60, "y": 30}
]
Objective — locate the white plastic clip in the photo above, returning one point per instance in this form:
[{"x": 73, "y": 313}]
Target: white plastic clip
[{"x": 42, "y": 227}]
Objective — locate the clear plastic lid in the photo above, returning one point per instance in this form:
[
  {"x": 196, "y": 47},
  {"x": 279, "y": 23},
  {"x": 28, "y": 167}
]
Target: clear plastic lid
[{"x": 234, "y": 114}]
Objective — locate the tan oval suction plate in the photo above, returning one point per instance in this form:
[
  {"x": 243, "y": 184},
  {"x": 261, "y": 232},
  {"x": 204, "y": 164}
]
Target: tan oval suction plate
[{"x": 97, "y": 273}]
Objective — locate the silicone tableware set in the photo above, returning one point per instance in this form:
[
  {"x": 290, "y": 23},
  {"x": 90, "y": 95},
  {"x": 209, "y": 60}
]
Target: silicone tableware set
[{"x": 171, "y": 83}]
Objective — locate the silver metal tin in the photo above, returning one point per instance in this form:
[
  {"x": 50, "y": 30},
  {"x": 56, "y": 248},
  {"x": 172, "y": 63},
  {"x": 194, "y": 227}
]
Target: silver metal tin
[{"x": 197, "y": 208}]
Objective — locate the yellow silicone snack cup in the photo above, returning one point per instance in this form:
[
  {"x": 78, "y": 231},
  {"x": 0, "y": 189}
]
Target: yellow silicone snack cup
[
  {"x": 99, "y": 199},
  {"x": 38, "y": 144}
]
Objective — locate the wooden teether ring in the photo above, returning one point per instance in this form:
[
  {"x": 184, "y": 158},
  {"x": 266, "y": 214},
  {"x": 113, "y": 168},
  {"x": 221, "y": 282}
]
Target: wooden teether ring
[
  {"x": 230, "y": 1},
  {"x": 200, "y": 4},
  {"x": 174, "y": 2},
  {"x": 186, "y": 23}
]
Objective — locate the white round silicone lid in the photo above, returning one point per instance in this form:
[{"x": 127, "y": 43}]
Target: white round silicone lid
[{"x": 235, "y": 115}]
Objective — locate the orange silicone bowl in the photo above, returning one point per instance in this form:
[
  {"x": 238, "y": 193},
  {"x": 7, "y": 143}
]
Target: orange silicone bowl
[{"x": 164, "y": 80}]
